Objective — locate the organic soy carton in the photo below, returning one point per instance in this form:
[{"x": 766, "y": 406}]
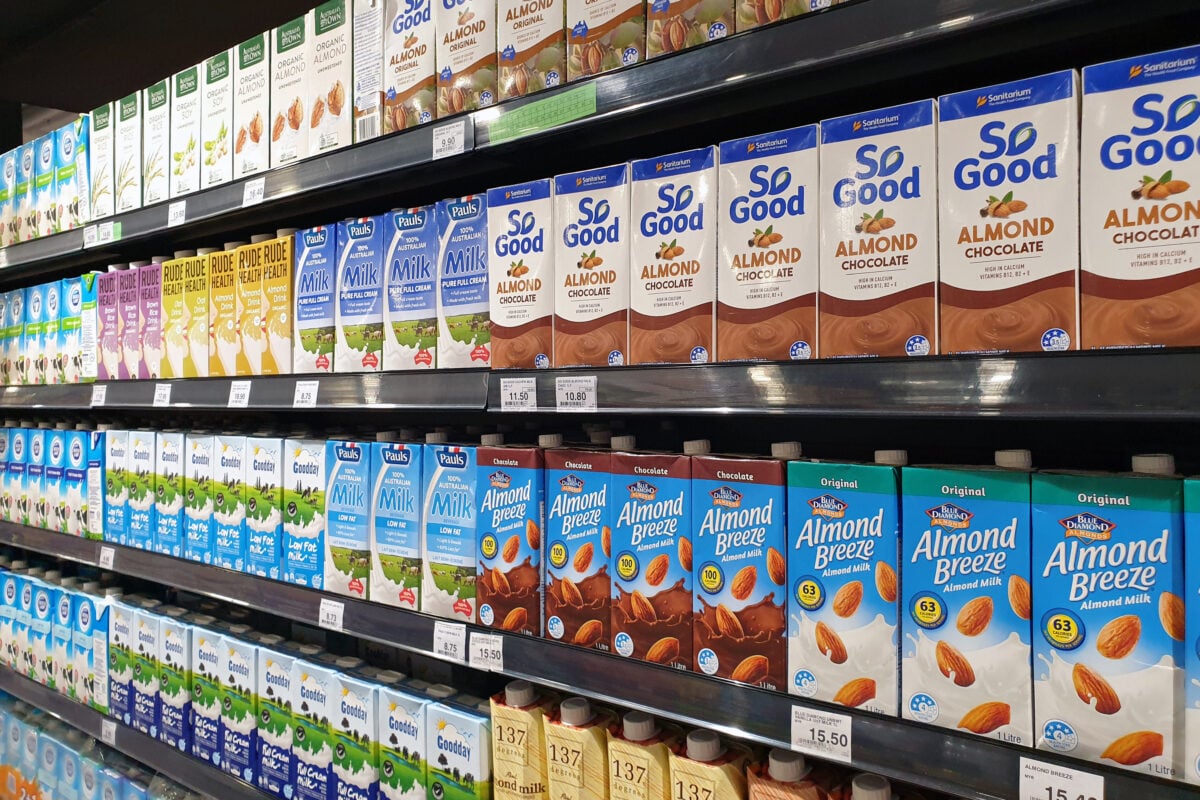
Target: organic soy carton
[
  {"x": 187, "y": 136},
  {"x": 239, "y": 708},
  {"x": 410, "y": 310},
  {"x": 367, "y": 34},
  {"x": 879, "y": 262},
  {"x": 264, "y": 506},
  {"x": 315, "y": 299},
  {"x": 71, "y": 174},
  {"x": 521, "y": 228},
  {"x": 409, "y": 69},
  {"x": 459, "y": 748},
  {"x": 348, "y": 518},
  {"x": 89, "y": 647},
  {"x": 331, "y": 79},
  {"x": 140, "y": 474},
  {"x": 31, "y": 336},
  {"x": 304, "y": 512},
  {"x": 843, "y": 540},
  {"x": 673, "y": 256},
  {"x": 311, "y": 744},
  {"x": 224, "y": 343},
  {"x": 1109, "y": 615},
  {"x": 673, "y": 25},
  {"x": 175, "y": 681},
  {"x": 102, "y": 166},
  {"x": 127, "y": 160},
  {"x": 277, "y": 287},
  {"x": 448, "y": 542},
  {"x": 129, "y": 330},
  {"x": 156, "y": 142},
  {"x": 198, "y": 469},
  {"x": 965, "y": 625},
  {"x": 169, "y": 493},
  {"x": 216, "y": 120},
  {"x": 291, "y": 57},
  {"x": 117, "y": 485},
  {"x": 464, "y": 330},
  {"x": 145, "y": 681},
  {"x": 276, "y": 766},
  {"x": 395, "y": 524},
  {"x": 173, "y": 316},
  {"x": 530, "y": 47},
  {"x": 466, "y": 56},
  {"x": 35, "y": 477},
  {"x": 520, "y": 716},
  {"x": 45, "y": 199},
  {"x": 229, "y": 501},
  {"x": 110, "y": 362},
  {"x": 353, "y": 729},
  {"x": 74, "y": 496},
  {"x": 208, "y": 648},
  {"x": 401, "y": 735},
  {"x": 252, "y": 79},
  {"x": 1190, "y": 761},
  {"x": 359, "y": 308},
  {"x": 26, "y": 221}
]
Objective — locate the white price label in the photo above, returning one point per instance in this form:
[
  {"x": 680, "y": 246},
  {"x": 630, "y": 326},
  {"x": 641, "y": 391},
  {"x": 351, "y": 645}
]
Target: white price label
[
  {"x": 450, "y": 641},
  {"x": 575, "y": 393},
  {"x": 105, "y": 232},
  {"x": 518, "y": 394},
  {"x": 329, "y": 616},
  {"x": 177, "y": 213},
  {"x": 99, "y": 394},
  {"x": 162, "y": 395},
  {"x": 1043, "y": 781},
  {"x": 107, "y": 555},
  {"x": 487, "y": 651},
  {"x": 254, "y": 191},
  {"x": 449, "y": 140},
  {"x": 822, "y": 733},
  {"x": 239, "y": 394},
  {"x": 108, "y": 732},
  {"x": 90, "y": 237},
  {"x": 306, "y": 394},
  {"x": 3, "y": 257}
]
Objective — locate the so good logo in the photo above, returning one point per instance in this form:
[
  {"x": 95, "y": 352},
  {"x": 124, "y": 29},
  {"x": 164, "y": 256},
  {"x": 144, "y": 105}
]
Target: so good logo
[
  {"x": 1016, "y": 147},
  {"x": 1155, "y": 116},
  {"x": 672, "y": 215},
  {"x": 771, "y": 198},
  {"x": 519, "y": 238},
  {"x": 878, "y": 179},
  {"x": 590, "y": 227}
]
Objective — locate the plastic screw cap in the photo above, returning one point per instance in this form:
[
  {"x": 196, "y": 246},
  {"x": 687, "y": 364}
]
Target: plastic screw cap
[
  {"x": 492, "y": 439},
  {"x": 786, "y": 766},
  {"x": 575, "y": 711},
  {"x": 624, "y": 442},
  {"x": 1154, "y": 464},
  {"x": 184, "y": 253},
  {"x": 696, "y": 447},
  {"x": 550, "y": 440},
  {"x": 440, "y": 691},
  {"x": 600, "y": 437},
  {"x": 870, "y": 787},
  {"x": 259, "y": 238},
  {"x": 283, "y": 233},
  {"x": 638, "y": 726},
  {"x": 892, "y": 458},
  {"x": 1014, "y": 459},
  {"x": 519, "y": 694},
  {"x": 785, "y": 450},
  {"x": 203, "y": 251},
  {"x": 389, "y": 677},
  {"x": 435, "y": 437},
  {"x": 233, "y": 245},
  {"x": 704, "y": 746}
]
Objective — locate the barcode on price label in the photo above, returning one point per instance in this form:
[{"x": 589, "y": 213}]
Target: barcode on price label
[
  {"x": 822, "y": 733},
  {"x": 575, "y": 393},
  {"x": 107, "y": 555},
  {"x": 108, "y": 732},
  {"x": 518, "y": 394},
  {"x": 1043, "y": 781},
  {"x": 90, "y": 238},
  {"x": 99, "y": 394},
  {"x": 450, "y": 641}
]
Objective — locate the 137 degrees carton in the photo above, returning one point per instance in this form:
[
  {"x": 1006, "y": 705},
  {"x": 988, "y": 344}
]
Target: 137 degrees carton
[
  {"x": 511, "y": 497},
  {"x": 466, "y": 55},
  {"x": 359, "y": 309},
  {"x": 103, "y": 167},
  {"x": 409, "y": 73},
  {"x": 604, "y": 36},
  {"x": 156, "y": 142},
  {"x": 186, "y": 134},
  {"x": 291, "y": 54},
  {"x": 530, "y": 46},
  {"x": 396, "y": 524},
  {"x": 520, "y": 226},
  {"x": 315, "y": 299},
  {"x": 347, "y": 518},
  {"x": 252, "y": 72},
  {"x": 448, "y": 541},
  {"x": 216, "y": 122},
  {"x": 578, "y": 547},
  {"x": 330, "y": 79},
  {"x": 464, "y": 330},
  {"x": 410, "y": 319}
]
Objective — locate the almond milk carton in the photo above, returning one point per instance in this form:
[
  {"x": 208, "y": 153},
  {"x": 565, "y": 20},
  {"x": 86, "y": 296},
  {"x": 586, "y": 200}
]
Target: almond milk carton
[
  {"x": 674, "y": 25},
  {"x": 521, "y": 229},
  {"x": 252, "y": 77},
  {"x": 591, "y": 269},
  {"x": 102, "y": 167},
  {"x": 316, "y": 252},
  {"x": 511, "y": 516},
  {"x": 224, "y": 343},
  {"x": 186, "y": 134},
  {"x": 330, "y": 79},
  {"x": 466, "y": 55},
  {"x": 248, "y": 306},
  {"x": 1008, "y": 168},
  {"x": 1138, "y": 202},
  {"x": 216, "y": 121},
  {"x": 1190, "y": 762},
  {"x": 156, "y": 142},
  {"x": 409, "y": 70},
  {"x": 769, "y": 235},
  {"x": 196, "y": 313},
  {"x": 604, "y": 36},
  {"x": 128, "y": 153},
  {"x": 530, "y": 46},
  {"x": 359, "y": 309},
  {"x": 410, "y": 323},
  {"x": 464, "y": 329},
  {"x": 291, "y": 54},
  {"x": 368, "y": 37},
  {"x": 878, "y": 273},
  {"x": 277, "y": 302},
  {"x": 674, "y": 260}
]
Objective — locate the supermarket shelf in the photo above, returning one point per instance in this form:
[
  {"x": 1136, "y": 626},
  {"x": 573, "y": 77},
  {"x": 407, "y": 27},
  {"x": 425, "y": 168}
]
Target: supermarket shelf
[
  {"x": 158, "y": 756},
  {"x": 41, "y": 251},
  {"x": 930, "y": 757}
]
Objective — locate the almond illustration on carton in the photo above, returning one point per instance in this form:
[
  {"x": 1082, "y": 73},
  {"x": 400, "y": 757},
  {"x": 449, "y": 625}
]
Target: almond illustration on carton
[
  {"x": 776, "y": 567},
  {"x": 664, "y": 651},
  {"x": 500, "y": 583},
  {"x": 1119, "y": 637},
  {"x": 256, "y": 126},
  {"x": 511, "y": 548},
  {"x": 830, "y": 644},
  {"x": 657, "y": 570},
  {"x": 685, "y": 553},
  {"x": 589, "y": 633},
  {"x": 885, "y": 581},
  {"x": 318, "y": 112},
  {"x": 277, "y": 127},
  {"x": 975, "y": 616},
  {"x": 336, "y": 99},
  {"x": 1089, "y": 685},
  {"x": 752, "y": 670},
  {"x": 583, "y": 558},
  {"x": 295, "y": 114},
  {"x": 516, "y": 619},
  {"x": 641, "y": 607},
  {"x": 986, "y": 717},
  {"x": 1161, "y": 189},
  {"x": 855, "y": 693},
  {"x": 605, "y": 542},
  {"x": 570, "y": 592},
  {"x": 954, "y": 664},
  {"x": 1134, "y": 748},
  {"x": 533, "y": 535},
  {"x": 728, "y": 623},
  {"x": 240, "y": 141},
  {"x": 1019, "y": 596},
  {"x": 1170, "y": 613},
  {"x": 847, "y": 599},
  {"x": 743, "y": 582}
]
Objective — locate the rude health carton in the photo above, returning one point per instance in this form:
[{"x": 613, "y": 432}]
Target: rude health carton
[
  {"x": 128, "y": 309},
  {"x": 252, "y": 81},
  {"x": 464, "y": 327},
  {"x": 186, "y": 139},
  {"x": 156, "y": 142},
  {"x": 395, "y": 524},
  {"x": 224, "y": 343},
  {"x": 110, "y": 360},
  {"x": 229, "y": 501},
  {"x": 216, "y": 122},
  {"x": 348, "y": 518},
  {"x": 304, "y": 512},
  {"x": 410, "y": 310},
  {"x": 360, "y": 300},
  {"x": 330, "y": 79},
  {"x": 316, "y": 252},
  {"x": 172, "y": 315},
  {"x": 291, "y": 62},
  {"x": 530, "y": 46},
  {"x": 277, "y": 302},
  {"x": 199, "y": 469},
  {"x": 510, "y": 493},
  {"x": 466, "y": 56},
  {"x": 448, "y": 585},
  {"x": 409, "y": 70},
  {"x": 150, "y": 330},
  {"x": 520, "y": 225},
  {"x": 264, "y": 506}
]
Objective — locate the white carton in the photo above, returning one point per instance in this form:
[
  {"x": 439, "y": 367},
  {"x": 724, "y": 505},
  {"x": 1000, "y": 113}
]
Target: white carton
[
  {"x": 44, "y": 195},
  {"x": 410, "y": 326},
  {"x": 89, "y": 649},
  {"x": 291, "y": 52},
  {"x": 368, "y": 68},
  {"x": 239, "y": 717},
  {"x": 186, "y": 133},
  {"x": 116, "y": 492},
  {"x": 464, "y": 328},
  {"x": 156, "y": 142},
  {"x": 359, "y": 310},
  {"x": 401, "y": 737},
  {"x": 520, "y": 287},
  {"x": 207, "y": 649},
  {"x": 276, "y": 698},
  {"x": 103, "y": 168},
  {"x": 316, "y": 300},
  {"x": 459, "y": 751},
  {"x": 216, "y": 120},
  {"x": 25, "y": 221},
  {"x": 175, "y": 680},
  {"x": 169, "y": 493},
  {"x": 353, "y": 730},
  {"x": 264, "y": 506},
  {"x": 127, "y": 183},
  {"x": 331, "y": 78},
  {"x": 145, "y": 680},
  {"x": 530, "y": 46},
  {"x": 312, "y": 687},
  {"x": 72, "y": 187},
  {"x": 198, "y": 524},
  {"x": 448, "y": 538},
  {"x": 409, "y": 68},
  {"x": 348, "y": 518},
  {"x": 304, "y": 512},
  {"x": 396, "y": 524},
  {"x": 466, "y": 56},
  {"x": 252, "y": 106},
  {"x": 229, "y": 501},
  {"x": 8, "y": 190}
]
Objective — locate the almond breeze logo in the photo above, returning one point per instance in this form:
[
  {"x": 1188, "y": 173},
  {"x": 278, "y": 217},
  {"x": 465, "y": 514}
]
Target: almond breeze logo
[
  {"x": 571, "y": 483},
  {"x": 1087, "y": 526},
  {"x": 452, "y": 459},
  {"x": 726, "y": 497},
  {"x": 828, "y": 506},
  {"x": 949, "y": 516},
  {"x": 500, "y": 480},
  {"x": 642, "y": 490}
]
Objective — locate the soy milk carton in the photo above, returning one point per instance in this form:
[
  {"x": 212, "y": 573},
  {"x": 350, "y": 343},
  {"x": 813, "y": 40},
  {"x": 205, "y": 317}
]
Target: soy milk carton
[
  {"x": 304, "y": 512},
  {"x": 169, "y": 493},
  {"x": 410, "y": 311},
  {"x": 396, "y": 501},
  {"x": 359, "y": 309},
  {"x": 311, "y": 743},
  {"x": 187, "y": 138},
  {"x": 459, "y": 747},
  {"x": 102, "y": 169},
  {"x": 673, "y": 290},
  {"x": 175, "y": 682},
  {"x": 199, "y": 468},
  {"x": 330, "y": 79},
  {"x": 409, "y": 71},
  {"x": 878, "y": 271},
  {"x": 239, "y": 708},
  {"x": 769, "y": 235},
  {"x": 464, "y": 337},
  {"x": 216, "y": 121},
  {"x": 511, "y": 517},
  {"x": 1008, "y": 167},
  {"x": 229, "y": 501},
  {"x": 353, "y": 727},
  {"x": 45, "y": 199},
  {"x": 156, "y": 142},
  {"x": 291, "y": 54},
  {"x": 448, "y": 587},
  {"x": 466, "y": 56},
  {"x": 347, "y": 518},
  {"x": 264, "y": 507},
  {"x": 116, "y": 485},
  {"x": 605, "y": 36},
  {"x": 128, "y": 153},
  {"x": 578, "y": 547},
  {"x": 252, "y": 81},
  {"x": 208, "y": 648},
  {"x": 402, "y": 761},
  {"x": 520, "y": 225},
  {"x": 316, "y": 287},
  {"x": 276, "y": 766},
  {"x": 72, "y": 187},
  {"x": 530, "y": 47}
]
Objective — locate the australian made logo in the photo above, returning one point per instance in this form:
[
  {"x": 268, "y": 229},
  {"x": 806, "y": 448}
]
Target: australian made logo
[
  {"x": 828, "y": 506},
  {"x": 727, "y": 497},
  {"x": 571, "y": 483},
  {"x": 500, "y": 479},
  {"x": 641, "y": 490},
  {"x": 1087, "y": 526},
  {"x": 948, "y": 515}
]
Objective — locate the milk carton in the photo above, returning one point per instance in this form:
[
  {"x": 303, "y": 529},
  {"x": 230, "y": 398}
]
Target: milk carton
[
  {"x": 277, "y": 303},
  {"x": 10, "y": 586},
  {"x": 316, "y": 285},
  {"x": 878, "y": 272},
  {"x": 14, "y": 330},
  {"x": 410, "y": 311},
  {"x": 111, "y": 362},
  {"x": 409, "y": 70},
  {"x": 26, "y": 221},
  {"x": 89, "y": 331},
  {"x": 52, "y": 320},
  {"x": 35, "y": 477},
  {"x": 248, "y": 306},
  {"x": 1009, "y": 154},
  {"x": 396, "y": 524},
  {"x": 55, "y": 515},
  {"x": 239, "y": 708},
  {"x": 348, "y": 514},
  {"x": 459, "y": 747},
  {"x": 359, "y": 309},
  {"x": 224, "y": 343},
  {"x": 208, "y": 648},
  {"x": 401, "y": 735},
  {"x": 45, "y": 197},
  {"x": 674, "y": 26},
  {"x": 122, "y": 626},
  {"x": 71, "y": 176},
  {"x": 353, "y": 728},
  {"x": 22, "y": 622},
  {"x": 1191, "y": 580},
  {"x": 330, "y": 78},
  {"x": 73, "y": 492},
  {"x": 89, "y": 648},
  {"x": 449, "y": 536},
  {"x": 140, "y": 472},
  {"x": 466, "y": 57},
  {"x": 187, "y": 138},
  {"x": 464, "y": 337},
  {"x": 674, "y": 259},
  {"x": 129, "y": 309},
  {"x": 32, "y": 338},
  {"x": 252, "y": 106},
  {"x": 15, "y": 487},
  {"x": 95, "y": 484},
  {"x": 145, "y": 682},
  {"x": 311, "y": 746},
  {"x": 530, "y": 47},
  {"x": 199, "y": 467},
  {"x": 843, "y": 531},
  {"x": 8, "y": 186},
  {"x": 117, "y": 485},
  {"x": 368, "y": 33},
  {"x": 61, "y": 673},
  {"x": 169, "y": 493},
  {"x": 769, "y": 234},
  {"x": 264, "y": 507},
  {"x": 304, "y": 512},
  {"x": 1110, "y": 616},
  {"x": 520, "y": 221},
  {"x": 70, "y": 324},
  {"x": 175, "y": 682},
  {"x": 229, "y": 501},
  {"x": 291, "y": 54},
  {"x": 191, "y": 332},
  {"x": 128, "y": 153},
  {"x": 511, "y": 502},
  {"x": 102, "y": 167},
  {"x": 604, "y": 37},
  {"x": 275, "y": 767},
  {"x": 156, "y": 142},
  {"x": 216, "y": 121},
  {"x": 966, "y": 536}
]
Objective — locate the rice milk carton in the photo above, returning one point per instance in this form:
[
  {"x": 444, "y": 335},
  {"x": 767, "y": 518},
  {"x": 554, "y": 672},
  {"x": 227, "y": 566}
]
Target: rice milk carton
[
  {"x": 530, "y": 47},
  {"x": 208, "y": 648},
  {"x": 74, "y": 495},
  {"x": 331, "y": 78},
  {"x": 277, "y": 302},
  {"x": 122, "y": 627},
  {"x": 216, "y": 121},
  {"x": 149, "y": 279},
  {"x": 304, "y": 512},
  {"x": 8, "y": 186},
  {"x": 347, "y": 518},
  {"x": 102, "y": 169},
  {"x": 464, "y": 328},
  {"x": 353, "y": 728},
  {"x": 459, "y": 752},
  {"x": 45, "y": 199},
  {"x": 145, "y": 682},
  {"x": 311, "y": 745},
  {"x": 140, "y": 472},
  {"x": 965, "y": 545},
  {"x": 409, "y": 70},
  {"x": 175, "y": 682},
  {"x": 229, "y": 501},
  {"x": 156, "y": 142},
  {"x": 410, "y": 311},
  {"x": 1190, "y": 761},
  {"x": 401, "y": 735},
  {"x": 466, "y": 57},
  {"x": 187, "y": 138},
  {"x": 169, "y": 493},
  {"x": 1109, "y": 613},
  {"x": 71, "y": 175},
  {"x": 110, "y": 365},
  {"x": 70, "y": 328},
  {"x": 89, "y": 647},
  {"x": 31, "y": 337},
  {"x": 199, "y": 467},
  {"x": 878, "y": 271},
  {"x": 1009, "y": 154},
  {"x": 359, "y": 310},
  {"x": 449, "y": 537},
  {"x": 26, "y": 220},
  {"x": 239, "y": 708},
  {"x": 264, "y": 507},
  {"x": 291, "y": 57},
  {"x": 316, "y": 286},
  {"x": 52, "y": 321},
  {"x": 511, "y": 517},
  {"x": 128, "y": 153},
  {"x": 674, "y": 258},
  {"x": 35, "y": 477},
  {"x": 520, "y": 221},
  {"x": 117, "y": 485},
  {"x": 224, "y": 342},
  {"x": 252, "y": 106},
  {"x": 368, "y": 34},
  {"x": 128, "y": 309},
  {"x": 276, "y": 766},
  {"x": 395, "y": 521}
]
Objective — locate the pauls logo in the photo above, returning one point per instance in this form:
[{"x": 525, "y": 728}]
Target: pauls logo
[
  {"x": 408, "y": 220},
  {"x": 361, "y": 229},
  {"x": 316, "y": 237},
  {"x": 727, "y": 497},
  {"x": 452, "y": 458},
  {"x": 642, "y": 490},
  {"x": 571, "y": 483},
  {"x": 500, "y": 480},
  {"x": 348, "y": 453},
  {"x": 1087, "y": 526},
  {"x": 399, "y": 455},
  {"x": 828, "y": 506},
  {"x": 948, "y": 515}
]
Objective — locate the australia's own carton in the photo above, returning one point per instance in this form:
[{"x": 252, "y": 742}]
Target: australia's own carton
[
  {"x": 128, "y": 153},
  {"x": 330, "y": 79}
]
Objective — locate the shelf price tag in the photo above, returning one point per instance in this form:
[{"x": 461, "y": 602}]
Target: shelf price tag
[
  {"x": 487, "y": 652},
  {"x": 330, "y": 614},
  {"x": 1043, "y": 781},
  {"x": 177, "y": 213},
  {"x": 239, "y": 394},
  {"x": 254, "y": 191},
  {"x": 162, "y": 395},
  {"x": 90, "y": 237},
  {"x": 449, "y": 140},
  {"x": 99, "y": 394},
  {"x": 450, "y": 641},
  {"x": 306, "y": 394},
  {"x": 107, "y": 555},
  {"x": 575, "y": 393},
  {"x": 108, "y": 732},
  {"x": 822, "y": 733},
  {"x": 107, "y": 232},
  {"x": 518, "y": 394}
]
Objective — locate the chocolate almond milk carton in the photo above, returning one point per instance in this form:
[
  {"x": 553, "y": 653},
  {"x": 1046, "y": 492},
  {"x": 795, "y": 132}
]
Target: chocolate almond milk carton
[
  {"x": 521, "y": 231},
  {"x": 510, "y": 493}
]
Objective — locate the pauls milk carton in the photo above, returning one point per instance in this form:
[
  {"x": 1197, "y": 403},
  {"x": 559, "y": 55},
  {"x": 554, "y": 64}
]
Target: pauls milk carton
[
  {"x": 395, "y": 524},
  {"x": 359, "y": 309},
  {"x": 673, "y": 25},
  {"x": 117, "y": 485},
  {"x": 35, "y": 477},
  {"x": 604, "y": 36},
  {"x": 510, "y": 494},
  {"x": 122, "y": 624},
  {"x": 71, "y": 174},
  {"x": 1008, "y": 183},
  {"x": 1108, "y": 615},
  {"x": 277, "y": 303},
  {"x": 145, "y": 682},
  {"x": 224, "y": 343},
  {"x": 8, "y": 185},
  {"x": 102, "y": 160},
  {"x": 128, "y": 153},
  {"x": 348, "y": 518},
  {"x": 530, "y": 47},
  {"x": 276, "y": 768},
  {"x": 1138, "y": 201},
  {"x": 172, "y": 316},
  {"x": 291, "y": 54},
  {"x": 353, "y": 728},
  {"x": 521, "y": 228},
  {"x": 26, "y": 220},
  {"x": 175, "y": 681},
  {"x": 464, "y": 332},
  {"x": 316, "y": 287},
  {"x": 878, "y": 272},
  {"x": 239, "y": 708},
  {"x": 767, "y": 287},
  {"x": 187, "y": 137},
  {"x": 304, "y": 512},
  {"x": 448, "y": 586},
  {"x": 111, "y": 362},
  {"x": 140, "y": 472},
  {"x": 264, "y": 506},
  {"x": 169, "y": 493},
  {"x": 156, "y": 142},
  {"x": 312, "y": 748},
  {"x": 578, "y": 547},
  {"x": 843, "y": 541},
  {"x": 95, "y": 482},
  {"x": 45, "y": 198},
  {"x": 129, "y": 309},
  {"x": 330, "y": 79},
  {"x": 409, "y": 71},
  {"x": 401, "y": 735},
  {"x": 73, "y": 495},
  {"x": 466, "y": 56},
  {"x": 199, "y": 467},
  {"x": 216, "y": 121},
  {"x": 459, "y": 752},
  {"x": 252, "y": 80},
  {"x": 368, "y": 37},
  {"x": 410, "y": 310},
  {"x": 208, "y": 649},
  {"x": 965, "y": 594},
  {"x": 673, "y": 255},
  {"x": 229, "y": 501},
  {"x": 1190, "y": 761}
]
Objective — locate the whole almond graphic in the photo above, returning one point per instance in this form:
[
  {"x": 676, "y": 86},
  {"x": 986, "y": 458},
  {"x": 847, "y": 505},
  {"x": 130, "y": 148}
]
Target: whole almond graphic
[
  {"x": 500, "y": 582},
  {"x": 856, "y": 692},
  {"x": 728, "y": 623},
  {"x": 685, "y": 554},
  {"x": 657, "y": 570},
  {"x": 1119, "y": 637},
  {"x": 641, "y": 607},
  {"x": 986, "y": 717},
  {"x": 515, "y": 620},
  {"x": 743, "y": 583},
  {"x": 1019, "y": 596},
  {"x": 511, "y": 548},
  {"x": 589, "y": 633},
  {"x": 752, "y": 670},
  {"x": 830, "y": 644},
  {"x": 570, "y": 592},
  {"x": 1134, "y": 748},
  {"x": 1170, "y": 613},
  {"x": 605, "y": 542},
  {"x": 664, "y": 651},
  {"x": 533, "y": 534},
  {"x": 975, "y": 617},
  {"x": 583, "y": 558},
  {"x": 776, "y": 567},
  {"x": 885, "y": 581},
  {"x": 954, "y": 664},
  {"x": 1089, "y": 685},
  {"x": 847, "y": 599}
]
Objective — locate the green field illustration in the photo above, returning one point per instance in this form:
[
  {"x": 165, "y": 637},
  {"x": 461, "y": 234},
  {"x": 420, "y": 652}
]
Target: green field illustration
[
  {"x": 317, "y": 341},
  {"x": 419, "y": 334},
  {"x": 452, "y": 580},
  {"x": 366, "y": 338},
  {"x": 352, "y": 563},
  {"x": 472, "y": 329}
]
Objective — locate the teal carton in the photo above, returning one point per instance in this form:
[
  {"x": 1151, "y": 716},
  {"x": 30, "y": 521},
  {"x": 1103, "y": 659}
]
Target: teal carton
[
  {"x": 311, "y": 744},
  {"x": 140, "y": 475},
  {"x": 32, "y": 339},
  {"x": 208, "y": 649},
  {"x": 198, "y": 469},
  {"x": 73, "y": 487},
  {"x": 448, "y": 541},
  {"x": 15, "y": 492},
  {"x": 359, "y": 309},
  {"x": 146, "y": 677},
  {"x": 396, "y": 524},
  {"x": 348, "y": 518},
  {"x": 35, "y": 477},
  {"x": 511, "y": 485},
  {"x": 460, "y": 753},
  {"x": 71, "y": 174},
  {"x": 304, "y": 512},
  {"x": 1191, "y": 648},
  {"x": 353, "y": 730},
  {"x": 116, "y": 486},
  {"x": 410, "y": 311},
  {"x": 62, "y": 628},
  {"x": 316, "y": 294},
  {"x": 402, "y": 739},
  {"x": 175, "y": 680},
  {"x": 229, "y": 501},
  {"x": 239, "y": 708},
  {"x": 264, "y": 507},
  {"x": 464, "y": 332},
  {"x": 276, "y": 765},
  {"x": 51, "y": 323}
]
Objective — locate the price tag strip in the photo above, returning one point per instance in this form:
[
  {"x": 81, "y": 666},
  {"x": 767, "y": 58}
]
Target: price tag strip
[
  {"x": 108, "y": 732},
  {"x": 518, "y": 394},
  {"x": 99, "y": 394},
  {"x": 575, "y": 393},
  {"x": 1043, "y": 781},
  {"x": 823, "y": 734},
  {"x": 487, "y": 651},
  {"x": 239, "y": 394},
  {"x": 450, "y": 641},
  {"x": 330, "y": 614},
  {"x": 450, "y": 139},
  {"x": 306, "y": 394}
]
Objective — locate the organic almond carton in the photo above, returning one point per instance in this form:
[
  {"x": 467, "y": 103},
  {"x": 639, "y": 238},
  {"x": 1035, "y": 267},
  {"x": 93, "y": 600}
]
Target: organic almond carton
[
  {"x": 769, "y": 240},
  {"x": 186, "y": 138},
  {"x": 347, "y": 518},
  {"x": 674, "y": 260},
  {"x": 156, "y": 142},
  {"x": 45, "y": 195},
  {"x": 216, "y": 120},
  {"x": 966, "y": 622},
  {"x": 264, "y": 506},
  {"x": 464, "y": 328},
  {"x": 466, "y": 55},
  {"x": 208, "y": 648},
  {"x": 368, "y": 35},
  {"x": 879, "y": 268},
  {"x": 396, "y": 497},
  {"x": 252, "y": 80},
  {"x": 448, "y": 541},
  {"x": 1109, "y": 615},
  {"x": 577, "y": 750},
  {"x": 604, "y": 36},
  {"x": 72, "y": 188},
  {"x": 521, "y": 229},
  {"x": 331, "y": 78},
  {"x": 110, "y": 364},
  {"x": 102, "y": 167},
  {"x": 229, "y": 501},
  {"x": 198, "y": 470},
  {"x": 304, "y": 512},
  {"x": 291, "y": 63},
  {"x": 510, "y": 493},
  {"x": 674, "y": 25},
  {"x": 410, "y": 318},
  {"x": 127, "y": 189},
  {"x": 224, "y": 343},
  {"x": 360, "y": 300},
  {"x": 409, "y": 69},
  {"x": 530, "y": 46},
  {"x": 1190, "y": 761},
  {"x": 1008, "y": 169},
  {"x": 316, "y": 252}
]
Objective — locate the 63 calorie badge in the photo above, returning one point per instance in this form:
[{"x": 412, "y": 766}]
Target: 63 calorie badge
[{"x": 928, "y": 611}]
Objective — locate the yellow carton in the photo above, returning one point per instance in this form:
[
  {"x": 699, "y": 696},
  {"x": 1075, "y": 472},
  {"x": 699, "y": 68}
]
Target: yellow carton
[
  {"x": 196, "y": 313},
  {"x": 277, "y": 302},
  {"x": 174, "y": 332},
  {"x": 249, "y": 305},
  {"x": 518, "y": 745},
  {"x": 710, "y": 768},
  {"x": 577, "y": 752},
  {"x": 223, "y": 340},
  {"x": 639, "y": 758}
]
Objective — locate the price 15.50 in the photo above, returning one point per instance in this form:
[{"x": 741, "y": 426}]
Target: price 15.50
[{"x": 822, "y": 736}]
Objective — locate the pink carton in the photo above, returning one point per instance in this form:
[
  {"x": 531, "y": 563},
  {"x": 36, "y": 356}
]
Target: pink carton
[
  {"x": 109, "y": 366},
  {"x": 150, "y": 320},
  {"x": 129, "y": 310}
]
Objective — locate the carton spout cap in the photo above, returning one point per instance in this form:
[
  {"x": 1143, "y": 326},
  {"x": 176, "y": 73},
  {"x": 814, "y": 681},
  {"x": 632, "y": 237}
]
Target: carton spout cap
[
  {"x": 787, "y": 451},
  {"x": 283, "y": 233},
  {"x": 184, "y": 253},
  {"x": 871, "y": 787},
  {"x": 576, "y": 711},
  {"x": 550, "y": 440},
  {"x": 203, "y": 251},
  {"x": 492, "y": 439},
  {"x": 1014, "y": 459},
  {"x": 435, "y": 437},
  {"x": 697, "y": 447},
  {"x": 639, "y": 726},
  {"x": 624, "y": 442},
  {"x": 259, "y": 238},
  {"x": 600, "y": 436},
  {"x": 519, "y": 694},
  {"x": 704, "y": 746},
  {"x": 892, "y": 458},
  {"x": 785, "y": 766},
  {"x": 233, "y": 245},
  {"x": 1154, "y": 464}
]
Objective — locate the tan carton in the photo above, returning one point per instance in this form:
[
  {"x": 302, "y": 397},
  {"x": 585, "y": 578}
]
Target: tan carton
[
  {"x": 710, "y": 767},
  {"x": 518, "y": 742},
  {"x": 576, "y": 751},
  {"x": 224, "y": 343},
  {"x": 530, "y": 46},
  {"x": 409, "y": 65},
  {"x": 331, "y": 78},
  {"x": 674, "y": 25},
  {"x": 291, "y": 52},
  {"x": 466, "y": 55},
  {"x": 639, "y": 758},
  {"x": 603, "y": 36}
]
